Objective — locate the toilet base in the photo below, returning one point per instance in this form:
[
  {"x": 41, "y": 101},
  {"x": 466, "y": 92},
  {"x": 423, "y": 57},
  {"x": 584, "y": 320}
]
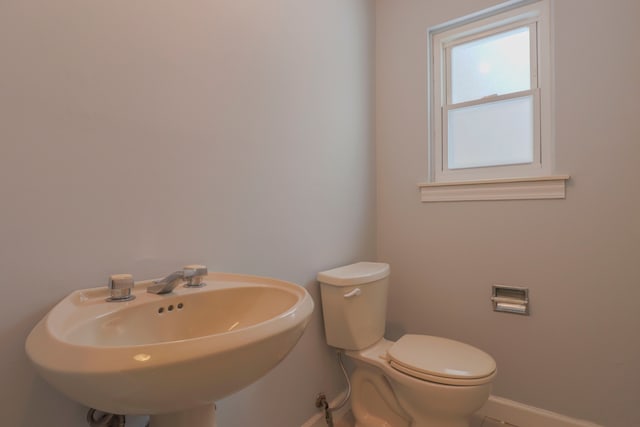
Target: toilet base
[
  {"x": 373, "y": 401},
  {"x": 382, "y": 396},
  {"x": 374, "y": 404},
  {"x": 438, "y": 405}
]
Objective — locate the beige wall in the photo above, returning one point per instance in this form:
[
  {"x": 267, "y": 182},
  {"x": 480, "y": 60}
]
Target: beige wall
[
  {"x": 140, "y": 136},
  {"x": 136, "y": 137},
  {"x": 578, "y": 352}
]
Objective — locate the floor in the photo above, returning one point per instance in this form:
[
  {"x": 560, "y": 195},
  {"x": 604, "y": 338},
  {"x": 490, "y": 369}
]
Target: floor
[
  {"x": 489, "y": 422},
  {"x": 348, "y": 421}
]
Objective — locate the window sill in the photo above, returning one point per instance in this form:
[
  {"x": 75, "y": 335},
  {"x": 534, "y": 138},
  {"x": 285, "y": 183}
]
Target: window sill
[{"x": 544, "y": 187}]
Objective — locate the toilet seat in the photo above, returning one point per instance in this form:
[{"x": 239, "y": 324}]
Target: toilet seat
[{"x": 441, "y": 360}]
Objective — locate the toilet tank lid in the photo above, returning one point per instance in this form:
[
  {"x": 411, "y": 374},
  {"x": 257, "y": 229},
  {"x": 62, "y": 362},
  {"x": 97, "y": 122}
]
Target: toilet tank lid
[{"x": 355, "y": 274}]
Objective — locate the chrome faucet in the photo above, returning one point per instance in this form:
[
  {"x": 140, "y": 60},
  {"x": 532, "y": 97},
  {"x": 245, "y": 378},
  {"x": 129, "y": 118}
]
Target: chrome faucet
[{"x": 191, "y": 274}]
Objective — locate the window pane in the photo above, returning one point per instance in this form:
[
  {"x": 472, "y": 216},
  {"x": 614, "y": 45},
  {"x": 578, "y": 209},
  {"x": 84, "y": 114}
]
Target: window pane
[
  {"x": 491, "y": 134},
  {"x": 498, "y": 64}
]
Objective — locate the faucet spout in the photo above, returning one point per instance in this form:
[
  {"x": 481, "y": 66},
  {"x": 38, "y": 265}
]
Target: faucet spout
[{"x": 192, "y": 274}]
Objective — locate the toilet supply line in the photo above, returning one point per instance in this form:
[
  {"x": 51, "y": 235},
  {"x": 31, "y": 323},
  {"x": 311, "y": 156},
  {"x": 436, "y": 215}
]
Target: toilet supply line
[{"x": 321, "y": 400}]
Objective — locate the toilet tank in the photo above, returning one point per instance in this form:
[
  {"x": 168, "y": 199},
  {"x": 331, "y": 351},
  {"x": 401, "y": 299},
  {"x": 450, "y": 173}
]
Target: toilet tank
[{"x": 354, "y": 304}]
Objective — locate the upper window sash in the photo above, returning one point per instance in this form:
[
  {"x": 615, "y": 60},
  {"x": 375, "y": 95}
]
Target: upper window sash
[{"x": 533, "y": 56}]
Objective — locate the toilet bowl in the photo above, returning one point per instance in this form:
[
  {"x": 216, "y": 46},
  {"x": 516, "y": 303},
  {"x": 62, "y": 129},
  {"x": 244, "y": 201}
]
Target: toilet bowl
[{"x": 417, "y": 381}]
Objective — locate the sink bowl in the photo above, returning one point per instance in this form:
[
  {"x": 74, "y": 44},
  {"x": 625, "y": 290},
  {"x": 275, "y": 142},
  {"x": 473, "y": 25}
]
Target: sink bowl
[{"x": 163, "y": 354}]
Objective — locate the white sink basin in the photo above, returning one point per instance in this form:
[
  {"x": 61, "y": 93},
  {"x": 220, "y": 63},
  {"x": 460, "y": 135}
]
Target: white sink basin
[{"x": 168, "y": 353}]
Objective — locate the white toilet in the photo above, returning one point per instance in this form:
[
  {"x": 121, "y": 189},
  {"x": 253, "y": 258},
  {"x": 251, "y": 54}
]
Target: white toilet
[{"x": 417, "y": 381}]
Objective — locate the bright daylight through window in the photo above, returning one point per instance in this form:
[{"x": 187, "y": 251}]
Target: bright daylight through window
[{"x": 489, "y": 114}]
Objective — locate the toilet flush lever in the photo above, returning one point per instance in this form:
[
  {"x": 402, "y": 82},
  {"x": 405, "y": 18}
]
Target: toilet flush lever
[{"x": 353, "y": 293}]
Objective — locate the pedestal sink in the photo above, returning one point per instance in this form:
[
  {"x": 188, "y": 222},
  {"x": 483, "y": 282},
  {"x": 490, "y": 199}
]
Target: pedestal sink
[{"x": 169, "y": 356}]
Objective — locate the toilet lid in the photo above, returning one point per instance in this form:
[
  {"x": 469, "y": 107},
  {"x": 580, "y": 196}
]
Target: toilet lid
[{"x": 441, "y": 360}]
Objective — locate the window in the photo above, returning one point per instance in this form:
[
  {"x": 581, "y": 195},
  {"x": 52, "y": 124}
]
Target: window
[
  {"x": 492, "y": 94},
  {"x": 490, "y": 83}
]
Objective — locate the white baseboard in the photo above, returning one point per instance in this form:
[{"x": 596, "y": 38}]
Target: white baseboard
[
  {"x": 522, "y": 415},
  {"x": 318, "y": 419},
  {"x": 498, "y": 408}
]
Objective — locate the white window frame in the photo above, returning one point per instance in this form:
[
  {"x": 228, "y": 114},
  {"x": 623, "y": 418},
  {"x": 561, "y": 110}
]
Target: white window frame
[{"x": 504, "y": 17}]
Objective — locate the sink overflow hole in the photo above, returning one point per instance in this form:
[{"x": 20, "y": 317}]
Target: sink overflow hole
[{"x": 171, "y": 307}]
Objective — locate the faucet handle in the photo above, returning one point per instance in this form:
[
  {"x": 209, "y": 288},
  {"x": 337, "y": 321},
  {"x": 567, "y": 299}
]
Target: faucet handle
[
  {"x": 120, "y": 286},
  {"x": 194, "y": 274},
  {"x": 195, "y": 270}
]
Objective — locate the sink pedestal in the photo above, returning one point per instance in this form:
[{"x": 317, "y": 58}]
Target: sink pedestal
[{"x": 202, "y": 416}]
